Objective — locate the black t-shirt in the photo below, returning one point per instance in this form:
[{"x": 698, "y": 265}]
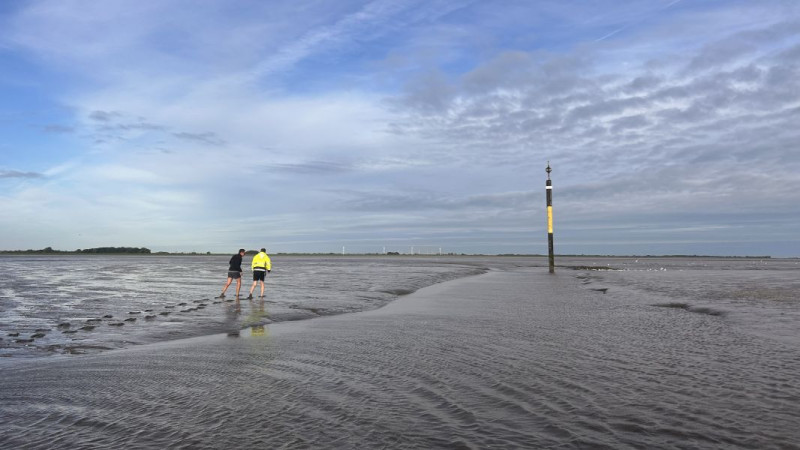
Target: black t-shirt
[{"x": 236, "y": 263}]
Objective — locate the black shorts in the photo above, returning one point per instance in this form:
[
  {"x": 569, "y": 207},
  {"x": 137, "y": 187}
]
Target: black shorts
[
  {"x": 258, "y": 275},
  {"x": 234, "y": 274}
]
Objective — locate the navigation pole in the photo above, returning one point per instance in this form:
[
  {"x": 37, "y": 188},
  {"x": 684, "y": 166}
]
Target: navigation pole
[{"x": 549, "y": 187}]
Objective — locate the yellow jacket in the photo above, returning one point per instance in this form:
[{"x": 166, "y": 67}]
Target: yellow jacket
[{"x": 261, "y": 261}]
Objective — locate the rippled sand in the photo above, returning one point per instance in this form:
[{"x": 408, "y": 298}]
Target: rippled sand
[{"x": 513, "y": 358}]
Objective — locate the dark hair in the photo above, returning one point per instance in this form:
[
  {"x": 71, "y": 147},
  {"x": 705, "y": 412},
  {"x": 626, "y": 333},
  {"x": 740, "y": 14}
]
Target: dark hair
[
  {"x": 264, "y": 250},
  {"x": 241, "y": 250}
]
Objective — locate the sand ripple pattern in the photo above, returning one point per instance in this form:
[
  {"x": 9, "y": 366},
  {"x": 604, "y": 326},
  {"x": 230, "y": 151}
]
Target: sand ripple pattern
[{"x": 514, "y": 359}]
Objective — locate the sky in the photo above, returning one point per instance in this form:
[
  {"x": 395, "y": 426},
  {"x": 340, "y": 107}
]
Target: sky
[{"x": 672, "y": 127}]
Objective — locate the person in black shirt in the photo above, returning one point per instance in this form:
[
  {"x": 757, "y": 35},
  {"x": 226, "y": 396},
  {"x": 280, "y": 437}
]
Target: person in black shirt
[{"x": 234, "y": 273}]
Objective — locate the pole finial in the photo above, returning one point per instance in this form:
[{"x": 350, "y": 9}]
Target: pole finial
[{"x": 548, "y": 170}]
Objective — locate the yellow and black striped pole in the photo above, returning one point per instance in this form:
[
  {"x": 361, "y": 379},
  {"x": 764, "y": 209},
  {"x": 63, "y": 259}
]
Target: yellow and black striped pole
[{"x": 550, "y": 255}]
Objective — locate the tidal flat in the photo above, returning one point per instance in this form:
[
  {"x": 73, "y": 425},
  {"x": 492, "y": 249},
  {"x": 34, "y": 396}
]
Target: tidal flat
[{"x": 605, "y": 353}]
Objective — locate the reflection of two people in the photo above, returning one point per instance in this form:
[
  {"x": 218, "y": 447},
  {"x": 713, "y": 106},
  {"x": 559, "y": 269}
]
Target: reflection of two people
[
  {"x": 256, "y": 318},
  {"x": 258, "y": 329},
  {"x": 232, "y": 313}
]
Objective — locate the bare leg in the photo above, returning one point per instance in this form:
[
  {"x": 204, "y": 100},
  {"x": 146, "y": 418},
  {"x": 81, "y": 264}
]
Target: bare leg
[
  {"x": 238, "y": 285},
  {"x": 262, "y": 289},
  {"x": 226, "y": 286},
  {"x": 253, "y": 287}
]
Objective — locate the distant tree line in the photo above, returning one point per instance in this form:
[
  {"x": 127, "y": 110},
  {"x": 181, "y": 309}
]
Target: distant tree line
[
  {"x": 141, "y": 250},
  {"x": 97, "y": 250}
]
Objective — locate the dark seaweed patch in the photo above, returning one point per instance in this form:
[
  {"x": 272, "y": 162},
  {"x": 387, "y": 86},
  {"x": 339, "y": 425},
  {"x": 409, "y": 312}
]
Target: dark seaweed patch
[
  {"x": 673, "y": 305},
  {"x": 693, "y": 309},
  {"x": 706, "y": 310}
]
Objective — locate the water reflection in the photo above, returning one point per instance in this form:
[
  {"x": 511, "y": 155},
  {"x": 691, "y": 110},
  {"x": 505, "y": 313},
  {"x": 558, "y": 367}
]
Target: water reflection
[{"x": 258, "y": 315}]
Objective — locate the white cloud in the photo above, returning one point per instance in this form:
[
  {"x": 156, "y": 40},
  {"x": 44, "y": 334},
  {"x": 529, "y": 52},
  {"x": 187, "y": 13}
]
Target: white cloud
[{"x": 114, "y": 173}]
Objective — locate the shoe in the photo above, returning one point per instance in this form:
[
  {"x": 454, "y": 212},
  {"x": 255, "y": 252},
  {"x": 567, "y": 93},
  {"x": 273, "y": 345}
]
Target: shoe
[
  {"x": 250, "y": 297},
  {"x": 221, "y": 295}
]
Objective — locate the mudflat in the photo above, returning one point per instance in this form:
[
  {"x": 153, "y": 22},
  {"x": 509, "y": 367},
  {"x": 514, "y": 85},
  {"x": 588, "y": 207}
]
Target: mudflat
[{"x": 516, "y": 357}]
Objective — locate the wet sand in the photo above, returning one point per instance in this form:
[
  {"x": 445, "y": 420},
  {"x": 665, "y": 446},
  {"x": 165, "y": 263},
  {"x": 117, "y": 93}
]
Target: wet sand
[
  {"x": 96, "y": 303},
  {"x": 514, "y": 358}
]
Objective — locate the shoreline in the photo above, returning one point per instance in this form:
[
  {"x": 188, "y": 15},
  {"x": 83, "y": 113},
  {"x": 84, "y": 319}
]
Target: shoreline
[{"x": 387, "y": 255}]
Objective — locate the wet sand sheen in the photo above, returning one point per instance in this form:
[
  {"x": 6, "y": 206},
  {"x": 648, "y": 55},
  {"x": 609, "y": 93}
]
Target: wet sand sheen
[
  {"x": 115, "y": 302},
  {"x": 514, "y": 358}
]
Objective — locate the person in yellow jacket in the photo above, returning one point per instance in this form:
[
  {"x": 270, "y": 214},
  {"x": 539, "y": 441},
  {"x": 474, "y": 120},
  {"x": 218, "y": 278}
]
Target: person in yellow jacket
[{"x": 260, "y": 265}]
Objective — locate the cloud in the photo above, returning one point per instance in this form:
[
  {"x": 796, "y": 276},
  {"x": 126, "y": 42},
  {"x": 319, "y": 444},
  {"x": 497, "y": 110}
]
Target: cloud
[
  {"x": 19, "y": 174},
  {"x": 58, "y": 129},
  {"x": 310, "y": 167},
  {"x": 731, "y": 49},
  {"x": 140, "y": 125},
  {"x": 627, "y": 142},
  {"x": 116, "y": 173},
  {"x": 205, "y": 138},
  {"x": 415, "y": 120},
  {"x": 431, "y": 200},
  {"x": 104, "y": 116}
]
